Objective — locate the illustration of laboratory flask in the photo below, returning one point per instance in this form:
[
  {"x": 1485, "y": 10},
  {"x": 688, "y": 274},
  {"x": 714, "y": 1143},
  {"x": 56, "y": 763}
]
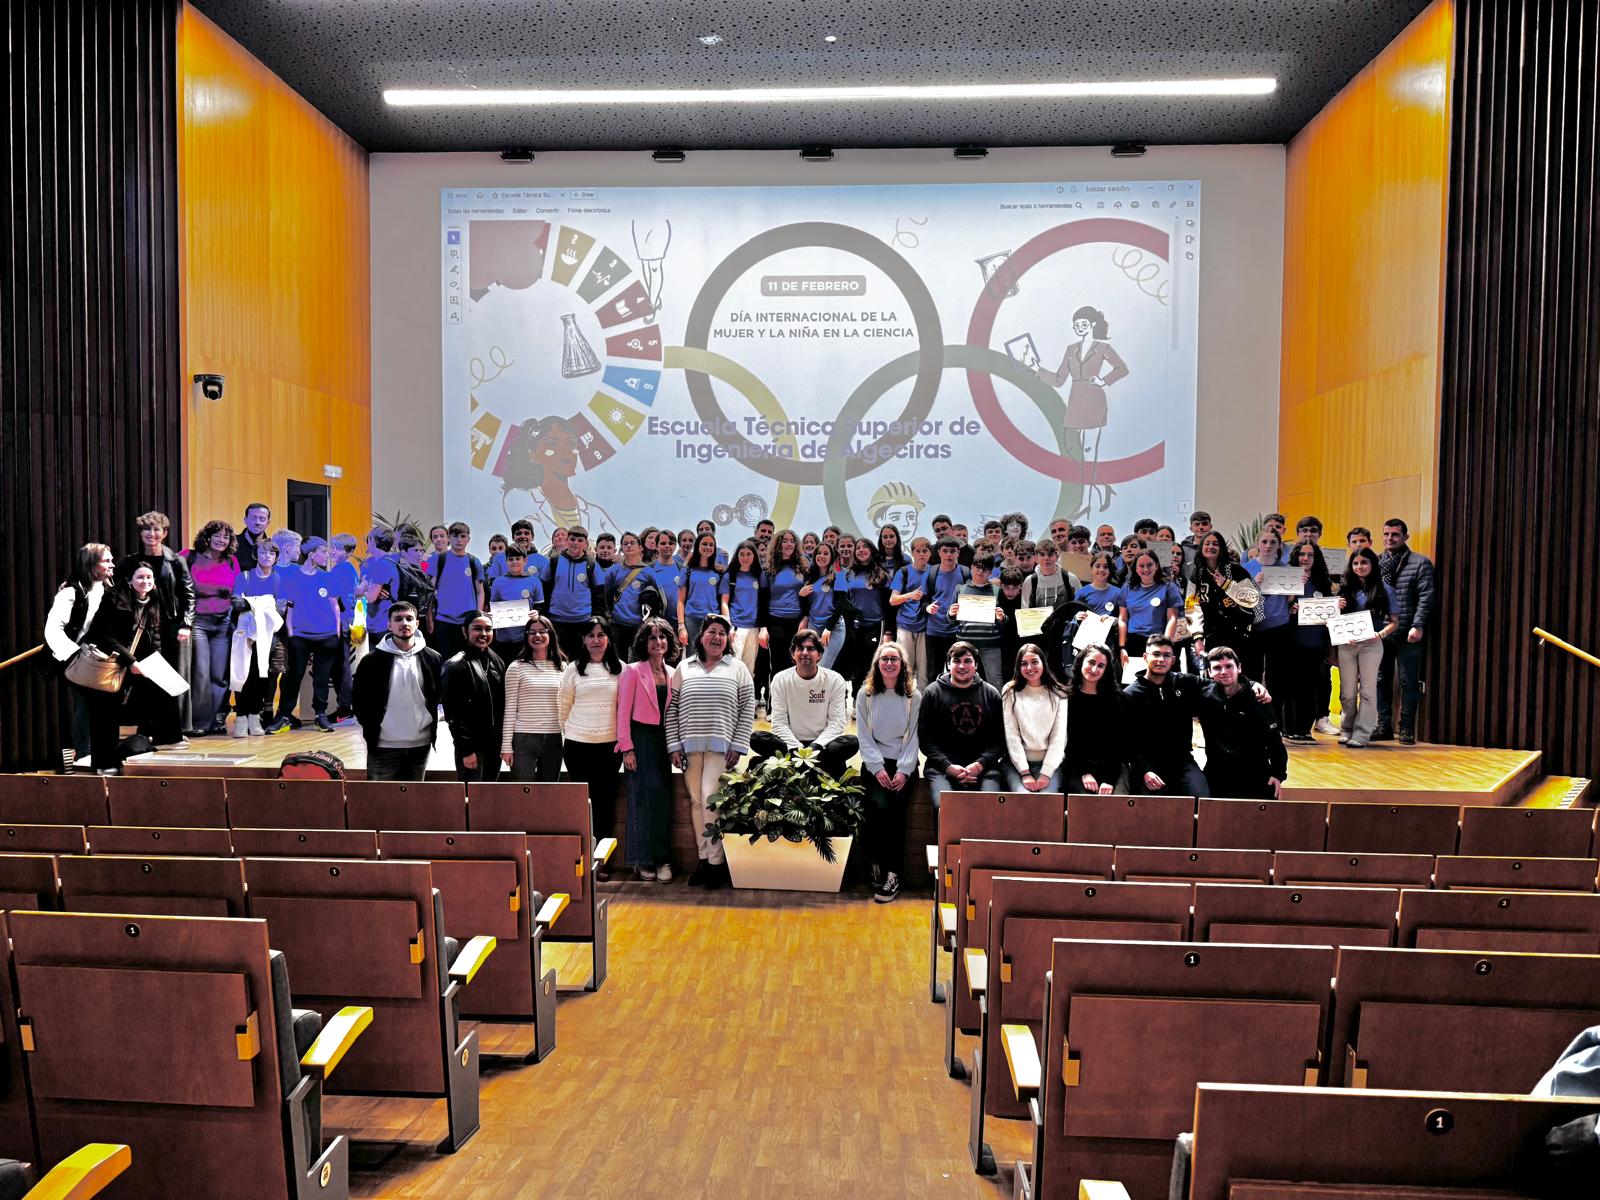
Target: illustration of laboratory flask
[{"x": 577, "y": 356}]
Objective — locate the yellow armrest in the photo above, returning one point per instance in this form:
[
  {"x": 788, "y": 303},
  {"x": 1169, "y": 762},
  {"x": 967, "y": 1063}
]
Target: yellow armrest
[
  {"x": 83, "y": 1173},
  {"x": 933, "y": 860},
  {"x": 473, "y": 955},
  {"x": 947, "y": 919},
  {"x": 1022, "y": 1060},
  {"x": 336, "y": 1038},
  {"x": 603, "y": 850},
  {"x": 1101, "y": 1189},
  {"x": 551, "y": 909},
  {"x": 977, "y": 972}
]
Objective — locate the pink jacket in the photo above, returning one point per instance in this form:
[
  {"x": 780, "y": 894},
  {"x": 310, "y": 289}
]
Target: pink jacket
[{"x": 636, "y": 701}]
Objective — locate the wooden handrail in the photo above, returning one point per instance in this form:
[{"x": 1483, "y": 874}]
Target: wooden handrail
[
  {"x": 1542, "y": 635},
  {"x": 26, "y": 654}
]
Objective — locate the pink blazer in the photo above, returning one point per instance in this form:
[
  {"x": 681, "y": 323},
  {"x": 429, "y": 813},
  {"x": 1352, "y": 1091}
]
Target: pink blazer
[{"x": 636, "y": 701}]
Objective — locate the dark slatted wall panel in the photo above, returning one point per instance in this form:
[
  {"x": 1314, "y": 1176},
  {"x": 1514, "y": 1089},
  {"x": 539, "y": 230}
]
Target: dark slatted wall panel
[
  {"x": 1519, "y": 456},
  {"x": 89, "y": 373}
]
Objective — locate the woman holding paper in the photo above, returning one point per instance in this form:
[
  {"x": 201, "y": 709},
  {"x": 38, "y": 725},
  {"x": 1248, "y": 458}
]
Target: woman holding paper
[
  {"x": 127, "y": 627},
  {"x": 1225, "y": 622},
  {"x": 1150, "y": 605},
  {"x": 1273, "y": 635},
  {"x": 1306, "y": 679},
  {"x": 1363, "y": 590}
]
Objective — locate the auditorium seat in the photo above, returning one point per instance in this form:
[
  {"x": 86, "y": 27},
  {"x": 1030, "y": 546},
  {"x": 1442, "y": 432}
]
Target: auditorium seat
[
  {"x": 138, "y": 839},
  {"x": 1260, "y": 825},
  {"x": 1457, "y": 1021},
  {"x": 406, "y": 805},
  {"x": 305, "y": 843},
  {"x": 85, "y": 1172},
  {"x": 286, "y": 803},
  {"x": 1025, "y": 917},
  {"x": 980, "y": 861},
  {"x": 196, "y": 803},
  {"x": 1309, "y": 869},
  {"x": 562, "y": 854},
  {"x": 1313, "y": 916},
  {"x": 53, "y": 799},
  {"x": 1154, "y": 864},
  {"x": 1522, "y": 922},
  {"x": 16, "y": 1116},
  {"x": 1291, "y": 1143},
  {"x": 155, "y": 886},
  {"x": 1535, "y": 874},
  {"x": 28, "y": 881},
  {"x": 1132, "y": 1027},
  {"x": 210, "y": 1098},
  {"x": 1131, "y": 820},
  {"x": 42, "y": 839},
  {"x": 1392, "y": 828},
  {"x": 374, "y": 932},
  {"x": 483, "y": 880},
  {"x": 1527, "y": 832},
  {"x": 991, "y": 816}
]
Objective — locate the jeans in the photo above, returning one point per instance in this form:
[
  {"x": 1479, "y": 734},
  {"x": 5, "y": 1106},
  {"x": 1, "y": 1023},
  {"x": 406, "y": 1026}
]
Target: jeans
[
  {"x": 886, "y": 821},
  {"x": 535, "y": 757},
  {"x": 320, "y": 653},
  {"x": 208, "y": 667},
  {"x": 914, "y": 649},
  {"x": 344, "y": 671},
  {"x": 1185, "y": 780},
  {"x": 1013, "y": 777},
  {"x": 941, "y": 783},
  {"x": 1359, "y": 663},
  {"x": 989, "y": 658},
  {"x": 836, "y": 641},
  {"x": 403, "y": 764},
  {"x": 488, "y": 768},
  {"x": 1407, "y": 657}
]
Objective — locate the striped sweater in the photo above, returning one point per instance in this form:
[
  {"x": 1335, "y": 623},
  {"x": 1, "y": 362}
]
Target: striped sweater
[
  {"x": 712, "y": 708},
  {"x": 532, "y": 700}
]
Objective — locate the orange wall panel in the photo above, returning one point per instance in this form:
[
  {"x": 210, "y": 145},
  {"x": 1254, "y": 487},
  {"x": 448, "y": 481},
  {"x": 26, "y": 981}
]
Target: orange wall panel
[
  {"x": 1362, "y": 285},
  {"x": 276, "y": 289}
]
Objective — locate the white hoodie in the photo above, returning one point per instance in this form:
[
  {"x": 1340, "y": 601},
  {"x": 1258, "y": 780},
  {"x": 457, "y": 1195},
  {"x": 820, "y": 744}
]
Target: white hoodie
[{"x": 407, "y": 723}]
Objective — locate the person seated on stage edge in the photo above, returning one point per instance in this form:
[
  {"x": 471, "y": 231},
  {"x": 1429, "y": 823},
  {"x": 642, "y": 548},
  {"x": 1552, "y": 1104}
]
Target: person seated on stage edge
[
  {"x": 808, "y": 710},
  {"x": 960, "y": 729}
]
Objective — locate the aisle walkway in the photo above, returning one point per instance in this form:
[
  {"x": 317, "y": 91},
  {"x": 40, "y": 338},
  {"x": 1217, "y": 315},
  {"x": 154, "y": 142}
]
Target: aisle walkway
[{"x": 745, "y": 1045}]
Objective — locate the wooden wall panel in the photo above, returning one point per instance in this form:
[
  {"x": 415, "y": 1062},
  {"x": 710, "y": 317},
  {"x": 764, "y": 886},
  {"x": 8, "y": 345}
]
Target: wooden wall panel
[
  {"x": 90, "y": 400},
  {"x": 1363, "y": 229},
  {"x": 277, "y": 294},
  {"x": 1519, "y": 451}
]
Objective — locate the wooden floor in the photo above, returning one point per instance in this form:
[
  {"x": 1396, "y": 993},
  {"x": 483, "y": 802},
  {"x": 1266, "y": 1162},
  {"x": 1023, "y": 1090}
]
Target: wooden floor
[{"x": 744, "y": 1045}]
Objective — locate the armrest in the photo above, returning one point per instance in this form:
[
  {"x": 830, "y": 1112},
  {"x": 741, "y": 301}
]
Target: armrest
[
  {"x": 551, "y": 909},
  {"x": 83, "y": 1173},
  {"x": 1022, "y": 1060},
  {"x": 336, "y": 1038},
  {"x": 1101, "y": 1189},
  {"x": 977, "y": 972},
  {"x": 603, "y": 850},
  {"x": 947, "y": 920},
  {"x": 473, "y": 955},
  {"x": 933, "y": 860}
]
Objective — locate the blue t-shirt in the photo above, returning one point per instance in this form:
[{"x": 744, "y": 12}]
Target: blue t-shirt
[
  {"x": 669, "y": 578},
  {"x": 626, "y": 609},
  {"x": 516, "y": 587},
  {"x": 1275, "y": 608},
  {"x": 701, "y": 586},
  {"x": 909, "y": 616},
  {"x": 568, "y": 588},
  {"x": 870, "y": 602},
  {"x": 819, "y": 605},
  {"x": 784, "y": 600},
  {"x": 744, "y": 598},
  {"x": 383, "y": 570},
  {"x": 248, "y": 583},
  {"x": 943, "y": 588},
  {"x": 312, "y": 597},
  {"x": 1104, "y": 601},
  {"x": 1148, "y": 607},
  {"x": 454, "y": 577},
  {"x": 346, "y": 578}
]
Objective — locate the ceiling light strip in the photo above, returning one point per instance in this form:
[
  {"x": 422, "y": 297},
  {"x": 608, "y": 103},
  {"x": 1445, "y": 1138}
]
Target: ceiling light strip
[{"x": 525, "y": 97}]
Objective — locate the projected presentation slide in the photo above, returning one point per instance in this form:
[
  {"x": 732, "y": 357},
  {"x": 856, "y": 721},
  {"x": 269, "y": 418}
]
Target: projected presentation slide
[{"x": 819, "y": 355}]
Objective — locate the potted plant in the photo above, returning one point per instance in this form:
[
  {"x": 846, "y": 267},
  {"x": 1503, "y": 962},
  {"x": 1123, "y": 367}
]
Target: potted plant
[{"x": 766, "y": 815}]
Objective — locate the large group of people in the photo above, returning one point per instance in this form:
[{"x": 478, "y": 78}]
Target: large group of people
[{"x": 969, "y": 659}]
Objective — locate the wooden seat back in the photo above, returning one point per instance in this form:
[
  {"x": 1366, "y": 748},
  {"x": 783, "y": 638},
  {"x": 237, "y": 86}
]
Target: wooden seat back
[
  {"x": 142, "y": 839},
  {"x": 28, "y": 881},
  {"x": 1161, "y": 864},
  {"x": 286, "y": 803},
  {"x": 1131, "y": 820},
  {"x": 53, "y": 799},
  {"x": 172, "y": 802},
  {"x": 1133, "y": 1027},
  {"x": 192, "y": 1085},
  {"x": 159, "y": 886},
  {"x": 1457, "y": 1021},
  {"x": 1504, "y": 874},
  {"x": 359, "y": 932},
  {"x": 1309, "y": 869},
  {"x": 16, "y": 1117},
  {"x": 1527, "y": 832},
  {"x": 406, "y": 805},
  {"x": 1393, "y": 828},
  {"x": 1316, "y": 916},
  {"x": 992, "y": 816},
  {"x": 43, "y": 839},
  {"x": 556, "y": 820},
  {"x": 1026, "y": 916},
  {"x": 1260, "y": 824},
  {"x": 305, "y": 843},
  {"x": 1520, "y": 922},
  {"x": 1250, "y": 1142}
]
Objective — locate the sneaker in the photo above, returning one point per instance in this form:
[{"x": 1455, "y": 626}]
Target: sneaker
[
  {"x": 1407, "y": 738},
  {"x": 241, "y": 726},
  {"x": 889, "y": 889},
  {"x": 642, "y": 875},
  {"x": 1324, "y": 725},
  {"x": 108, "y": 771},
  {"x": 255, "y": 725},
  {"x": 279, "y": 725},
  {"x": 323, "y": 723},
  {"x": 1344, "y": 739},
  {"x": 664, "y": 873},
  {"x": 295, "y": 722},
  {"x": 1356, "y": 745},
  {"x": 343, "y": 714}
]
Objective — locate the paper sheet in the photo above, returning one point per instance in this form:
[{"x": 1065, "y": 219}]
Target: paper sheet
[
  {"x": 509, "y": 614},
  {"x": 1092, "y": 630},
  {"x": 1280, "y": 581},
  {"x": 161, "y": 673},
  {"x": 1031, "y": 620},
  {"x": 1348, "y": 628},
  {"x": 1318, "y": 610},
  {"x": 975, "y": 608}
]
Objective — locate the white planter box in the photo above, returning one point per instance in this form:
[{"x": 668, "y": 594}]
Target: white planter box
[{"x": 787, "y": 866}]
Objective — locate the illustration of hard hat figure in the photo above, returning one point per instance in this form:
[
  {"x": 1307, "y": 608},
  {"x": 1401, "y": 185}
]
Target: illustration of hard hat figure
[{"x": 896, "y": 504}]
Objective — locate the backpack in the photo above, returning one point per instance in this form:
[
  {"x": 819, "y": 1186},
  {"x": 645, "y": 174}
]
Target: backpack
[
  {"x": 311, "y": 764},
  {"x": 416, "y": 589}
]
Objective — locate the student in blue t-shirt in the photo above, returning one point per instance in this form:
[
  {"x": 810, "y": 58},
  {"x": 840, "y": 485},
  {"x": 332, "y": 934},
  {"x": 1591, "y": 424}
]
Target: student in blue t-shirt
[
  {"x": 515, "y": 584},
  {"x": 908, "y": 590},
  {"x": 821, "y": 610},
  {"x": 496, "y": 566},
  {"x": 786, "y": 576},
  {"x": 666, "y": 574},
  {"x": 1150, "y": 605},
  {"x": 944, "y": 586},
  {"x": 346, "y": 577},
  {"x": 380, "y": 583},
  {"x": 868, "y": 586},
  {"x": 570, "y": 583},
  {"x": 1102, "y": 597},
  {"x": 313, "y": 627},
  {"x": 522, "y": 538},
  {"x": 627, "y": 584},
  {"x": 458, "y": 582},
  {"x": 699, "y": 595},
  {"x": 741, "y": 589}
]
